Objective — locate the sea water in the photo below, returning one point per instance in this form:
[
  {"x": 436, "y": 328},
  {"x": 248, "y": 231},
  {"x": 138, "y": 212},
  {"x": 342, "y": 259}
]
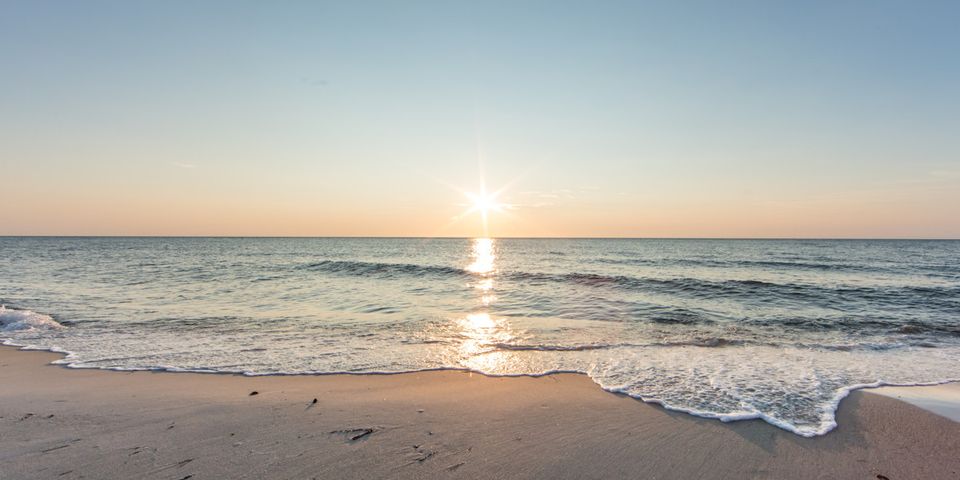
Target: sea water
[{"x": 729, "y": 329}]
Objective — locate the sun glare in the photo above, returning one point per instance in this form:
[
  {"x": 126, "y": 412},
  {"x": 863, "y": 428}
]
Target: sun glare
[{"x": 484, "y": 202}]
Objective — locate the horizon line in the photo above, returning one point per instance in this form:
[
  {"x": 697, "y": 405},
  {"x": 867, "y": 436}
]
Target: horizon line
[{"x": 423, "y": 237}]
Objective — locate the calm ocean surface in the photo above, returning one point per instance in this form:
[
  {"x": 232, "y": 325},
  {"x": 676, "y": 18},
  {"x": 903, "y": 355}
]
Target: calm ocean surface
[{"x": 730, "y": 329}]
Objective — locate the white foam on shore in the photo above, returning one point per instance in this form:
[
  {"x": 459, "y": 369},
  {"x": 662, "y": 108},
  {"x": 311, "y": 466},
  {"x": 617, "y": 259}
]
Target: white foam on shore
[
  {"x": 827, "y": 411},
  {"x": 797, "y": 389},
  {"x": 950, "y": 410}
]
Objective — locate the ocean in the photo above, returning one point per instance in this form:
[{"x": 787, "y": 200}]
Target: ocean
[{"x": 779, "y": 330}]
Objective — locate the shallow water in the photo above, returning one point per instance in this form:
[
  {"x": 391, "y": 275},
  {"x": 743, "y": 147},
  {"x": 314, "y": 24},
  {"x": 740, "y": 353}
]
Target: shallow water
[{"x": 731, "y": 329}]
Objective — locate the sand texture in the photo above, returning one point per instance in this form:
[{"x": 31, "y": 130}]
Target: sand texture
[{"x": 59, "y": 423}]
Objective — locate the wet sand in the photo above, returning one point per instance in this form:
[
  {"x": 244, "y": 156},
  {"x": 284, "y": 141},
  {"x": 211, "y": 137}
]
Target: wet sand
[
  {"x": 64, "y": 423},
  {"x": 940, "y": 399}
]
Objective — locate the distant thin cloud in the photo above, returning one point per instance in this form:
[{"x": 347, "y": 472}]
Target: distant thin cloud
[{"x": 315, "y": 82}]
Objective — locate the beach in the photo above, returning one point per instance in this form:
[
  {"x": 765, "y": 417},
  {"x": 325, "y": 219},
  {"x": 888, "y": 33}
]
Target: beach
[
  {"x": 732, "y": 329},
  {"x": 479, "y": 240},
  {"x": 57, "y": 422}
]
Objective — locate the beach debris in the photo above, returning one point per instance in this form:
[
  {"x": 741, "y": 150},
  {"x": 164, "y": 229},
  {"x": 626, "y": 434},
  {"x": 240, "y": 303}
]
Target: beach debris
[
  {"x": 54, "y": 448},
  {"x": 422, "y": 455},
  {"x": 253, "y": 393},
  {"x": 420, "y": 410},
  {"x": 65, "y": 473},
  {"x": 168, "y": 466},
  {"x": 363, "y": 433},
  {"x": 188, "y": 477},
  {"x": 314, "y": 402},
  {"x": 69, "y": 442},
  {"x": 354, "y": 434},
  {"x": 50, "y": 416},
  {"x": 426, "y": 456},
  {"x": 882, "y": 477},
  {"x": 27, "y": 416},
  {"x": 456, "y": 466}
]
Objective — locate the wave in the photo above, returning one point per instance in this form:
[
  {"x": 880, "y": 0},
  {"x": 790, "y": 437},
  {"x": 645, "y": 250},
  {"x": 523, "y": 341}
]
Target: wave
[
  {"x": 703, "y": 342},
  {"x": 681, "y": 284},
  {"x": 829, "y": 409},
  {"x": 944, "y": 298},
  {"x": 707, "y": 342},
  {"x": 558, "y": 348},
  {"x": 826, "y": 407},
  {"x": 763, "y": 264},
  {"x": 25, "y": 320},
  {"x": 355, "y": 267}
]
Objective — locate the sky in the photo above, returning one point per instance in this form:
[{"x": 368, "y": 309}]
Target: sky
[{"x": 593, "y": 119}]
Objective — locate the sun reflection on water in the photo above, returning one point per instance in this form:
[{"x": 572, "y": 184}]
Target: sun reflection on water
[
  {"x": 479, "y": 322},
  {"x": 483, "y": 256},
  {"x": 483, "y": 264},
  {"x": 482, "y": 333}
]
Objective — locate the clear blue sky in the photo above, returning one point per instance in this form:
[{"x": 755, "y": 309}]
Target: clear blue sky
[{"x": 809, "y": 119}]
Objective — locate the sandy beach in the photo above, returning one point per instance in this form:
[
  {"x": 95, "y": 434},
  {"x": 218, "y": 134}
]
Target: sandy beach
[
  {"x": 479, "y": 240},
  {"x": 65, "y": 423}
]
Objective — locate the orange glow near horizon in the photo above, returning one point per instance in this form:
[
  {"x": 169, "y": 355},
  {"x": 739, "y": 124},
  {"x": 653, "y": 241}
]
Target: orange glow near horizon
[
  {"x": 484, "y": 203},
  {"x": 160, "y": 209},
  {"x": 623, "y": 136}
]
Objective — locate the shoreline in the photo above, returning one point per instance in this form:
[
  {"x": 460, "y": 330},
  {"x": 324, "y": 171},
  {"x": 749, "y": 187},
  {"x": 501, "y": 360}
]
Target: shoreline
[
  {"x": 71, "y": 422},
  {"x": 949, "y": 409}
]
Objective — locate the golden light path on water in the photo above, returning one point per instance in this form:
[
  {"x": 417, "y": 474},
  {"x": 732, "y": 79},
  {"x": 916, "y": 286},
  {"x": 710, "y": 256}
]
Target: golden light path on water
[
  {"x": 483, "y": 257},
  {"x": 480, "y": 331}
]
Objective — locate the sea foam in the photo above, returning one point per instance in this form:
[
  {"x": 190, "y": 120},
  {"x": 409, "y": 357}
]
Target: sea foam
[
  {"x": 773, "y": 330},
  {"x": 12, "y": 319}
]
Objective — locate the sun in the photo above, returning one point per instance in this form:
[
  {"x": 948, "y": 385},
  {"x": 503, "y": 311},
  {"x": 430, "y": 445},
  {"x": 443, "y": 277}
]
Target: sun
[{"x": 484, "y": 202}]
